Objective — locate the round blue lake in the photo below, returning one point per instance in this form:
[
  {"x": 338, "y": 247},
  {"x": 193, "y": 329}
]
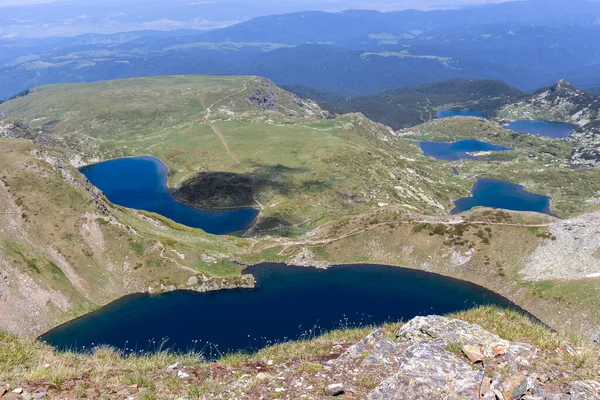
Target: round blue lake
[
  {"x": 141, "y": 183},
  {"x": 458, "y": 150},
  {"x": 555, "y": 130},
  {"x": 288, "y": 303},
  {"x": 463, "y": 113},
  {"x": 505, "y": 195}
]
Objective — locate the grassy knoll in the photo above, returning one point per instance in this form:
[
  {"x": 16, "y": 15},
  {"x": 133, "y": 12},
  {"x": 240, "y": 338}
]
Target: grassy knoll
[{"x": 300, "y": 165}]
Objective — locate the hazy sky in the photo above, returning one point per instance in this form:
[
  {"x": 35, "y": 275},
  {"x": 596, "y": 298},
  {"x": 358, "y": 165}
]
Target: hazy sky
[{"x": 383, "y": 5}]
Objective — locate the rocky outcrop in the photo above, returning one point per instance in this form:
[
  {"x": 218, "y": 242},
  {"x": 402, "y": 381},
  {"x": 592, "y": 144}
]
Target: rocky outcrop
[
  {"x": 429, "y": 369},
  {"x": 202, "y": 284},
  {"x": 15, "y": 129},
  {"x": 441, "y": 358},
  {"x": 564, "y": 102},
  {"x": 265, "y": 97},
  {"x": 306, "y": 258},
  {"x": 560, "y": 102},
  {"x": 587, "y": 145}
]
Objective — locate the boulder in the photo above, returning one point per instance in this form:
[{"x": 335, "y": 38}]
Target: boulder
[
  {"x": 427, "y": 371},
  {"x": 454, "y": 331},
  {"x": 585, "y": 390},
  {"x": 335, "y": 389}
]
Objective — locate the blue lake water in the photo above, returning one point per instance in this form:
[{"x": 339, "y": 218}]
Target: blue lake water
[
  {"x": 458, "y": 150},
  {"x": 287, "y": 304},
  {"x": 463, "y": 113},
  {"x": 555, "y": 130},
  {"x": 141, "y": 183},
  {"x": 505, "y": 195}
]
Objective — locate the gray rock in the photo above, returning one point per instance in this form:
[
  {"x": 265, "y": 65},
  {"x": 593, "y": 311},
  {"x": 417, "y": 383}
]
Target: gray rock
[
  {"x": 515, "y": 387},
  {"x": 40, "y": 395},
  {"x": 192, "y": 281},
  {"x": 427, "y": 371},
  {"x": 172, "y": 368},
  {"x": 355, "y": 351},
  {"x": 335, "y": 389},
  {"x": 383, "y": 353},
  {"x": 454, "y": 331},
  {"x": 585, "y": 390},
  {"x": 551, "y": 396}
]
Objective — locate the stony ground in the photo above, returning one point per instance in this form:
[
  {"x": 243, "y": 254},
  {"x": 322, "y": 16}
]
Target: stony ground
[
  {"x": 430, "y": 358},
  {"x": 571, "y": 252}
]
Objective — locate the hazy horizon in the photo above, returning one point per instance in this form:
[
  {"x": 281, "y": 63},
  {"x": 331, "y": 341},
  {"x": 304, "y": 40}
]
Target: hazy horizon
[{"x": 380, "y": 5}]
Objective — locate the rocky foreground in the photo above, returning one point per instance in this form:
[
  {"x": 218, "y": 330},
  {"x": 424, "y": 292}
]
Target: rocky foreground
[
  {"x": 429, "y": 358},
  {"x": 432, "y": 358}
]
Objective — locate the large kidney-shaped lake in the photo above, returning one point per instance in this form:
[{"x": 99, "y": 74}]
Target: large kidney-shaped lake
[
  {"x": 141, "y": 183},
  {"x": 288, "y": 303}
]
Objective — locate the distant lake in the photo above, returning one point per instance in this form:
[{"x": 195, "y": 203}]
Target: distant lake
[
  {"x": 458, "y": 150},
  {"x": 141, "y": 183},
  {"x": 505, "y": 195},
  {"x": 555, "y": 130},
  {"x": 288, "y": 303},
  {"x": 463, "y": 113}
]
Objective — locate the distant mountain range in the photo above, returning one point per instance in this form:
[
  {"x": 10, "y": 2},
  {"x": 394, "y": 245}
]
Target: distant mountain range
[{"x": 527, "y": 44}]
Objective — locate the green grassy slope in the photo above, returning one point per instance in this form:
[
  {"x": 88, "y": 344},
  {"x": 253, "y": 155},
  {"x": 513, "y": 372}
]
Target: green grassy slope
[
  {"x": 64, "y": 250},
  {"x": 343, "y": 188},
  {"x": 301, "y": 166}
]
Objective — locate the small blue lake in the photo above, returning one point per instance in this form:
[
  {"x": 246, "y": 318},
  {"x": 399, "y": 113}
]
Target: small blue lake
[
  {"x": 463, "y": 113},
  {"x": 141, "y": 183},
  {"x": 458, "y": 150},
  {"x": 505, "y": 195},
  {"x": 288, "y": 303},
  {"x": 555, "y": 130}
]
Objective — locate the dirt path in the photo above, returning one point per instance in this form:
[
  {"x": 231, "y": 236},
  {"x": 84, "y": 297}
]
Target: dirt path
[
  {"x": 308, "y": 242},
  {"x": 206, "y": 121}
]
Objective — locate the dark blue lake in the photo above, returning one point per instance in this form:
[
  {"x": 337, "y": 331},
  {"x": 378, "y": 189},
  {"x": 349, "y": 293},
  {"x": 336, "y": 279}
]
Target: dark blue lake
[
  {"x": 288, "y": 303},
  {"x": 141, "y": 183},
  {"x": 463, "y": 113},
  {"x": 505, "y": 195},
  {"x": 555, "y": 130},
  {"x": 458, "y": 150}
]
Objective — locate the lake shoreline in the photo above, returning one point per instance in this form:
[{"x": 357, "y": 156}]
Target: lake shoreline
[
  {"x": 340, "y": 268},
  {"x": 168, "y": 205}
]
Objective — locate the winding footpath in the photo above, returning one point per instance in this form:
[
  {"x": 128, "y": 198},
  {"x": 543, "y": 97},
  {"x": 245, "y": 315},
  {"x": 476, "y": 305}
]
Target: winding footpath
[{"x": 206, "y": 120}]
